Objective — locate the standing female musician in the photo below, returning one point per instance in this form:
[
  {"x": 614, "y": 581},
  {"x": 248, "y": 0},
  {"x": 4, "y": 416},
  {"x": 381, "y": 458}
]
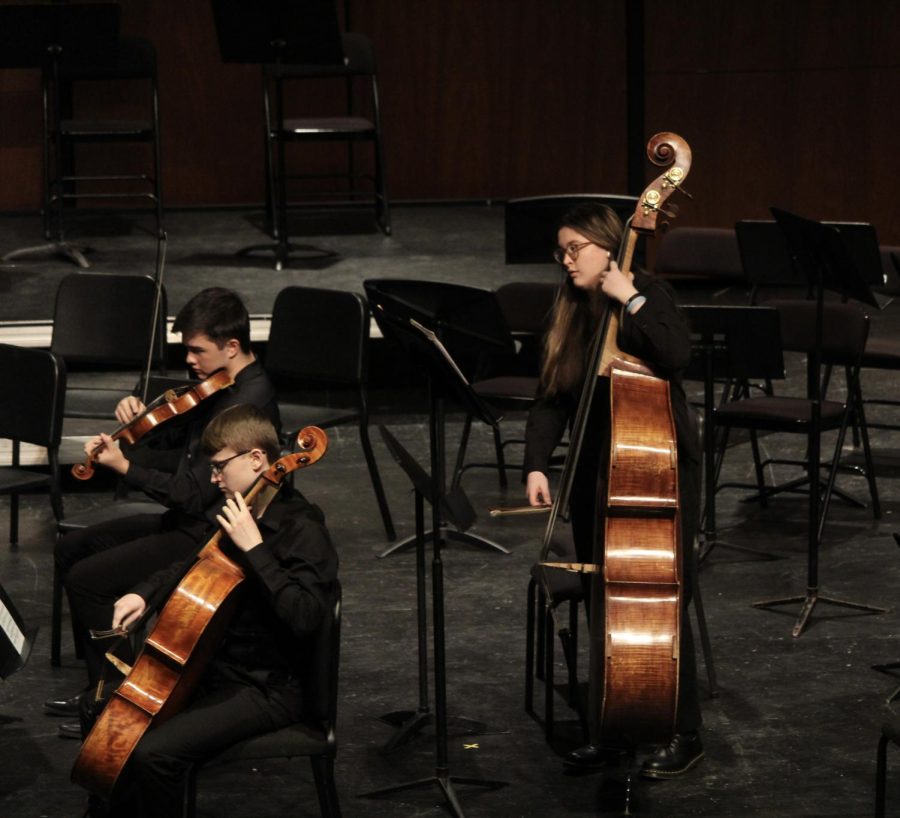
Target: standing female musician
[
  {"x": 652, "y": 328},
  {"x": 256, "y": 680}
]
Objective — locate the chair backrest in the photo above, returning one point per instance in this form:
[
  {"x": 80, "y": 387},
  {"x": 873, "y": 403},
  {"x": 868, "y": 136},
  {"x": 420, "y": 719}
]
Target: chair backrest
[
  {"x": 739, "y": 342},
  {"x": 890, "y": 268},
  {"x": 320, "y": 335},
  {"x": 359, "y": 60},
  {"x": 34, "y": 388},
  {"x": 845, "y": 328},
  {"x": 765, "y": 257},
  {"x": 132, "y": 58},
  {"x": 707, "y": 252},
  {"x": 105, "y": 320},
  {"x": 322, "y": 666},
  {"x": 527, "y": 305}
]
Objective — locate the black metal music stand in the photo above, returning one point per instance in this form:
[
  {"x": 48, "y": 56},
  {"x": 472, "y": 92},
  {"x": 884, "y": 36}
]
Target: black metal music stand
[
  {"x": 410, "y": 723},
  {"x": 461, "y": 320},
  {"x": 820, "y": 253},
  {"x": 277, "y": 32},
  {"x": 432, "y": 488},
  {"x": 40, "y": 35},
  {"x": 16, "y": 637},
  {"x": 730, "y": 343}
]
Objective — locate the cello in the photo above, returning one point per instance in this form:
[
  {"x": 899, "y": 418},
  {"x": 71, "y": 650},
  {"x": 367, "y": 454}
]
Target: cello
[
  {"x": 169, "y": 404},
  {"x": 180, "y": 645},
  {"x": 635, "y": 697}
]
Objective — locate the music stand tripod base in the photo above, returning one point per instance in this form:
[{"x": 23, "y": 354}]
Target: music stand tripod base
[
  {"x": 283, "y": 251},
  {"x": 808, "y": 602},
  {"x": 57, "y": 248},
  {"x": 447, "y": 534}
]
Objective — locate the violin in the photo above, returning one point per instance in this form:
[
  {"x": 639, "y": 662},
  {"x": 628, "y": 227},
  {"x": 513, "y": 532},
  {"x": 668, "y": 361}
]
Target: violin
[
  {"x": 171, "y": 403},
  {"x": 181, "y": 643}
]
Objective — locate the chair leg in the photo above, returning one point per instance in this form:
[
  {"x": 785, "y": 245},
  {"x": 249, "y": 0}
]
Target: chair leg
[
  {"x": 376, "y": 478},
  {"x": 323, "y": 773},
  {"x": 56, "y": 620},
  {"x": 501, "y": 461},
  {"x": 540, "y": 641},
  {"x": 571, "y": 652},
  {"x": 880, "y": 776},
  {"x": 867, "y": 453},
  {"x": 758, "y": 468},
  {"x": 700, "y": 613},
  {"x": 549, "y": 636},
  {"x": 529, "y": 645},
  {"x": 13, "y": 521},
  {"x": 461, "y": 453},
  {"x": 189, "y": 808}
]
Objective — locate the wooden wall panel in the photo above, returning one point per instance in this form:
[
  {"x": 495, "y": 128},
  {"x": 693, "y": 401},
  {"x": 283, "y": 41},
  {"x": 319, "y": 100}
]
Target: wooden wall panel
[
  {"x": 786, "y": 104},
  {"x": 783, "y": 103}
]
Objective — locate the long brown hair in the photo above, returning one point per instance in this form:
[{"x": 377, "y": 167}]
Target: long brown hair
[{"x": 576, "y": 311}]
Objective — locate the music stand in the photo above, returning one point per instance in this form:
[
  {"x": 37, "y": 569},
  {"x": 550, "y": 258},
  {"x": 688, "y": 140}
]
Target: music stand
[
  {"x": 734, "y": 344},
  {"x": 40, "y": 35},
  {"x": 16, "y": 638},
  {"x": 411, "y": 722},
  {"x": 431, "y": 319},
  {"x": 821, "y": 254},
  {"x": 444, "y": 378},
  {"x": 277, "y": 32}
]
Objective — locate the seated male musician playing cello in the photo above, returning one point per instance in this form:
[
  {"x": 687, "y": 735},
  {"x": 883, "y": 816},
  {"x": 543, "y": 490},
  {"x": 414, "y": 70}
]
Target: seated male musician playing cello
[
  {"x": 254, "y": 683},
  {"x": 99, "y": 563}
]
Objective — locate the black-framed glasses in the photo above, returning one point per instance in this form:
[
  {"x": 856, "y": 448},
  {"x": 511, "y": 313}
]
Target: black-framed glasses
[
  {"x": 218, "y": 466},
  {"x": 572, "y": 251}
]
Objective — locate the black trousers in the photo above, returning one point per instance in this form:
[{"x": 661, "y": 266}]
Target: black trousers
[
  {"x": 100, "y": 563},
  {"x": 588, "y": 502},
  {"x": 224, "y": 713}
]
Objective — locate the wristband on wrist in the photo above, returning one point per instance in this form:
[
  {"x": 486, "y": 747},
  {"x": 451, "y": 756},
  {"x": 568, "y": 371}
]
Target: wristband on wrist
[{"x": 634, "y": 302}]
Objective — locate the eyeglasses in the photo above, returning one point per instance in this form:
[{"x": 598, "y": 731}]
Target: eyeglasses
[
  {"x": 218, "y": 466},
  {"x": 572, "y": 251}
]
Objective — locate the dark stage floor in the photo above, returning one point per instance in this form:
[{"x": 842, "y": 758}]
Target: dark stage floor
[{"x": 792, "y": 732}]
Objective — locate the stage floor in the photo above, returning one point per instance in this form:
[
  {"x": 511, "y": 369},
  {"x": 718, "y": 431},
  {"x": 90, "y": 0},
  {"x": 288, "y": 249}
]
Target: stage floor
[{"x": 792, "y": 732}]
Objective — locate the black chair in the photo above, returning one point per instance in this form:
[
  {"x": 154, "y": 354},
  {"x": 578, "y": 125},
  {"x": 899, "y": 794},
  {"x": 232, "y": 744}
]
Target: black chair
[
  {"x": 315, "y": 738},
  {"x": 540, "y": 662},
  {"x": 319, "y": 339},
  {"x": 844, "y": 338},
  {"x": 31, "y": 412},
  {"x": 508, "y": 380},
  {"x": 890, "y": 732},
  {"x": 102, "y": 323},
  {"x": 74, "y": 115},
  {"x": 358, "y": 71},
  {"x": 883, "y": 349},
  {"x": 699, "y": 255}
]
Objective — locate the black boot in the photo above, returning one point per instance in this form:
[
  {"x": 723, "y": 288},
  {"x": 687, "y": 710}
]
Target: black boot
[
  {"x": 675, "y": 759},
  {"x": 591, "y": 757}
]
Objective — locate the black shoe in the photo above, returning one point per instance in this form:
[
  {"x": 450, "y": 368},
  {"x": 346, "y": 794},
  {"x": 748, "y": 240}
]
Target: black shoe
[
  {"x": 69, "y": 729},
  {"x": 65, "y": 707},
  {"x": 590, "y": 757},
  {"x": 682, "y": 753}
]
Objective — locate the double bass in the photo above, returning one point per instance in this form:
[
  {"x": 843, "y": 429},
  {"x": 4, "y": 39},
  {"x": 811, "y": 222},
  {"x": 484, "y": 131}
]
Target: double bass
[
  {"x": 182, "y": 642},
  {"x": 635, "y": 698}
]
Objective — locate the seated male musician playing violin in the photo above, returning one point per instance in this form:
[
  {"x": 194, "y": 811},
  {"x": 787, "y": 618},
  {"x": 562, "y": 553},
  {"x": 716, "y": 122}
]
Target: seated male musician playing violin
[
  {"x": 99, "y": 563},
  {"x": 254, "y": 683}
]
